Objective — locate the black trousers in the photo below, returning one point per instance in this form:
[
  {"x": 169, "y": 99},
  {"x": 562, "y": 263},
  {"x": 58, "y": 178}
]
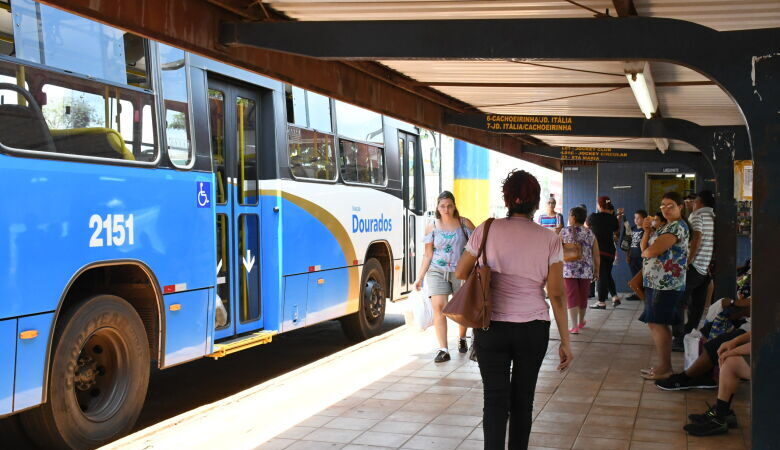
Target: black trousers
[
  {"x": 635, "y": 264},
  {"x": 606, "y": 284},
  {"x": 694, "y": 298},
  {"x": 521, "y": 346}
]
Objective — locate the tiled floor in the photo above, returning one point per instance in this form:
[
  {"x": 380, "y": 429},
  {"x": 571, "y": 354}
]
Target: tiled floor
[{"x": 600, "y": 402}]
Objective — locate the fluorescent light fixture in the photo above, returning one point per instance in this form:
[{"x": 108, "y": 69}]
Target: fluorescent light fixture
[
  {"x": 641, "y": 81},
  {"x": 642, "y": 85}
]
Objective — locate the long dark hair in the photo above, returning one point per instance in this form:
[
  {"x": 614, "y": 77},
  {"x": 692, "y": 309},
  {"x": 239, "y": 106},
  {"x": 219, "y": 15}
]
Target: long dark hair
[{"x": 443, "y": 196}]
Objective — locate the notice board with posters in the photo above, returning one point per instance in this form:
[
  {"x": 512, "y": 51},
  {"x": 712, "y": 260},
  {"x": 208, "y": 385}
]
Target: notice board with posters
[{"x": 743, "y": 180}]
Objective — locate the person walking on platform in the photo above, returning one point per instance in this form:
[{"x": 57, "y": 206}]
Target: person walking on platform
[
  {"x": 551, "y": 219},
  {"x": 523, "y": 258},
  {"x": 605, "y": 226},
  {"x": 665, "y": 254},
  {"x": 577, "y": 274},
  {"x": 702, "y": 221},
  {"x": 445, "y": 239},
  {"x": 634, "y": 254}
]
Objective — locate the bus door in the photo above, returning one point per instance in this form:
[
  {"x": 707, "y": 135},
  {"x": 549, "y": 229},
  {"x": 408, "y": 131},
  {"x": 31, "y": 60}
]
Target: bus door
[
  {"x": 413, "y": 196},
  {"x": 235, "y": 123}
]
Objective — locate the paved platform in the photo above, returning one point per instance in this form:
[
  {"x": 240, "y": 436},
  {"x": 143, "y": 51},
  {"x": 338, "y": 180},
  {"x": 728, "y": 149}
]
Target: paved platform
[{"x": 387, "y": 393}]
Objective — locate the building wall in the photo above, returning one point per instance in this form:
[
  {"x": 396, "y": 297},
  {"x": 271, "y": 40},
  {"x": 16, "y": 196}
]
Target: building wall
[{"x": 624, "y": 183}]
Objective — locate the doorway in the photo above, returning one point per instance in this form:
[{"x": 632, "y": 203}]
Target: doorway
[
  {"x": 658, "y": 184},
  {"x": 234, "y": 115}
]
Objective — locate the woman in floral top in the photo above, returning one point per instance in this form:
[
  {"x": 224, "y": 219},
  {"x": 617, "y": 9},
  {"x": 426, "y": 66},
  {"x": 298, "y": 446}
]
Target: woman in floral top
[
  {"x": 444, "y": 241},
  {"x": 578, "y": 274},
  {"x": 665, "y": 254}
]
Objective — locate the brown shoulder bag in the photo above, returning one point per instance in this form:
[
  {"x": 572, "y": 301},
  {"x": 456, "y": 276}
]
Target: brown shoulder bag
[
  {"x": 636, "y": 285},
  {"x": 572, "y": 251},
  {"x": 470, "y": 305}
]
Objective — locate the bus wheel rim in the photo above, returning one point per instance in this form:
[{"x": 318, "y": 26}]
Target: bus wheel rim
[
  {"x": 374, "y": 296},
  {"x": 101, "y": 376}
]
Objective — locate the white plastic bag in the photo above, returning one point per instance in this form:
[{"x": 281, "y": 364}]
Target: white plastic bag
[
  {"x": 715, "y": 309},
  {"x": 419, "y": 313},
  {"x": 221, "y": 317},
  {"x": 691, "y": 344}
]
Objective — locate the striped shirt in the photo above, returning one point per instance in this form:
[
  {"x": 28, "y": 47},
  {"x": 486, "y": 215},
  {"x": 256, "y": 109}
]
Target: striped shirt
[
  {"x": 548, "y": 221},
  {"x": 703, "y": 221}
]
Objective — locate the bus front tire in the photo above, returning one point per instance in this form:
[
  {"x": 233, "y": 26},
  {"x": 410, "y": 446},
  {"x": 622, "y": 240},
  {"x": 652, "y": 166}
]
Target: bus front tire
[
  {"x": 367, "y": 322},
  {"x": 98, "y": 379}
]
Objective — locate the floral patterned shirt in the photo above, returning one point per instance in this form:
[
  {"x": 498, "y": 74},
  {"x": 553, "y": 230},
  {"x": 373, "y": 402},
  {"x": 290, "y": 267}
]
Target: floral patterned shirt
[
  {"x": 666, "y": 272},
  {"x": 447, "y": 246},
  {"x": 584, "y": 267}
]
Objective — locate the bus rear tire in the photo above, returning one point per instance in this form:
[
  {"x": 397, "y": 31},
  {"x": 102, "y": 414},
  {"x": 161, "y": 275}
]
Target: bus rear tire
[
  {"x": 98, "y": 378},
  {"x": 367, "y": 322}
]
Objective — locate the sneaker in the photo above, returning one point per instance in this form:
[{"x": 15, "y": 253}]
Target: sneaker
[
  {"x": 574, "y": 330},
  {"x": 462, "y": 347},
  {"x": 699, "y": 419},
  {"x": 581, "y": 325},
  {"x": 632, "y": 297},
  {"x": 442, "y": 356},
  {"x": 597, "y": 306},
  {"x": 704, "y": 383},
  {"x": 709, "y": 425},
  {"x": 676, "y": 382}
]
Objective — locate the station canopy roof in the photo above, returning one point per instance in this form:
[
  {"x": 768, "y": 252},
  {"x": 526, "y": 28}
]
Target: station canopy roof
[{"x": 573, "y": 88}]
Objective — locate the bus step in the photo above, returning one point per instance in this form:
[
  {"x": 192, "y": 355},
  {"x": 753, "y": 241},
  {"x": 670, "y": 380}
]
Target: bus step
[{"x": 241, "y": 343}]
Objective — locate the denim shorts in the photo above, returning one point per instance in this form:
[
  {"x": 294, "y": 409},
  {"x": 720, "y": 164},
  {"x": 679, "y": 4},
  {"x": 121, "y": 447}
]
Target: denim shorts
[
  {"x": 438, "y": 282},
  {"x": 661, "y": 307}
]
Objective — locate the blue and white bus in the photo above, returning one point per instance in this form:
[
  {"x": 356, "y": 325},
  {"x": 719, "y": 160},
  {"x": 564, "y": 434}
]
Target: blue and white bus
[{"x": 162, "y": 207}]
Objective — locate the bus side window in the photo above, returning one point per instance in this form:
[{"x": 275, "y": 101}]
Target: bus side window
[
  {"x": 312, "y": 155},
  {"x": 362, "y": 163},
  {"x": 71, "y": 114},
  {"x": 177, "y": 108}
]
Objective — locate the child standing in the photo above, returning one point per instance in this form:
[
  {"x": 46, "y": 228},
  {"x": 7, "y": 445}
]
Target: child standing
[{"x": 634, "y": 254}]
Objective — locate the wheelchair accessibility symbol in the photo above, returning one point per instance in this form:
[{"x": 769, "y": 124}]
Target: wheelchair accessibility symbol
[{"x": 204, "y": 189}]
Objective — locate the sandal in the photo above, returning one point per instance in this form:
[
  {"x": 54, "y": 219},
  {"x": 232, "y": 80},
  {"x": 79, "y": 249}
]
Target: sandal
[
  {"x": 648, "y": 371},
  {"x": 615, "y": 303}
]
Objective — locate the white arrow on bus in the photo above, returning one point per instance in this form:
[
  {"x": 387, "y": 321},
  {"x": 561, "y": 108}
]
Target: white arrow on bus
[
  {"x": 219, "y": 266},
  {"x": 249, "y": 261}
]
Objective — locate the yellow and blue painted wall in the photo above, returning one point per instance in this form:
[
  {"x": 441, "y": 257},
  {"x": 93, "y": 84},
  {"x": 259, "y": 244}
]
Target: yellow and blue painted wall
[{"x": 471, "y": 185}]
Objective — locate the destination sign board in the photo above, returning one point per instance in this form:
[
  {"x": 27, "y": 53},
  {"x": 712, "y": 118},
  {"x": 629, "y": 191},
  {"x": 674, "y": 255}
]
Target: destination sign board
[
  {"x": 599, "y": 154},
  {"x": 554, "y": 125},
  {"x": 592, "y": 154}
]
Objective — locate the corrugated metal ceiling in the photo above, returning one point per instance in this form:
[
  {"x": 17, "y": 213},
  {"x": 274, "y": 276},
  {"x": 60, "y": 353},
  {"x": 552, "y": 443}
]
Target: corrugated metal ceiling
[
  {"x": 559, "y": 87},
  {"x": 718, "y": 14}
]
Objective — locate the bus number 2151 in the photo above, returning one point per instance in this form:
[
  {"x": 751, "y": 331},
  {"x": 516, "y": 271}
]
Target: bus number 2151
[{"x": 117, "y": 229}]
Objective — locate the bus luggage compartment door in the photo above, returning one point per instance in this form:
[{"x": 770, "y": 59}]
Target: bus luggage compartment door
[
  {"x": 187, "y": 325},
  {"x": 32, "y": 340},
  {"x": 296, "y": 294},
  {"x": 7, "y": 359}
]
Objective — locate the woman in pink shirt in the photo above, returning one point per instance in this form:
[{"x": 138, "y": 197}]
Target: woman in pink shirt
[{"x": 524, "y": 257}]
